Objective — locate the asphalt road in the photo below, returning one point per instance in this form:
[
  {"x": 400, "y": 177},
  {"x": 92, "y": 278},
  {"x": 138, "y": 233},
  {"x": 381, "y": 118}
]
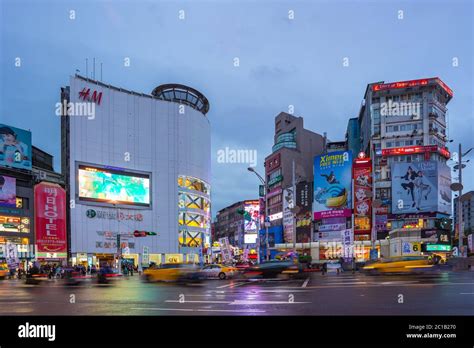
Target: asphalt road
[{"x": 447, "y": 293}]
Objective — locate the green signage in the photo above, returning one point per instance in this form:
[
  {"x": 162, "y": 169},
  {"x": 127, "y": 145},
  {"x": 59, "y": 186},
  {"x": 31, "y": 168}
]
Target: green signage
[
  {"x": 438, "y": 247},
  {"x": 275, "y": 180}
]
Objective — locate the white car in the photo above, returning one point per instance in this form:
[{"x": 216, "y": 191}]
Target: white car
[
  {"x": 334, "y": 266},
  {"x": 218, "y": 271}
]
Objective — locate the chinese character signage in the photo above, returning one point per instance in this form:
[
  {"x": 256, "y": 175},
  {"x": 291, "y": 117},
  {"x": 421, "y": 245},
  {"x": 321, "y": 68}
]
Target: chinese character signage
[
  {"x": 50, "y": 218},
  {"x": 362, "y": 175}
]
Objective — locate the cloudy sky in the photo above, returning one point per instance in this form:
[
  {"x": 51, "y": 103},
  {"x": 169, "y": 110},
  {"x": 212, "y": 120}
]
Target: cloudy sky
[{"x": 282, "y": 61}]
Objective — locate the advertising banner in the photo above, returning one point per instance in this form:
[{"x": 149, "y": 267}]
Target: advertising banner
[
  {"x": 15, "y": 147},
  {"x": 332, "y": 227},
  {"x": 332, "y": 185},
  {"x": 420, "y": 187},
  {"x": 304, "y": 196},
  {"x": 225, "y": 249},
  {"x": 348, "y": 243},
  {"x": 288, "y": 216},
  {"x": 252, "y": 208},
  {"x": 50, "y": 218},
  {"x": 7, "y": 192},
  {"x": 328, "y": 236},
  {"x": 362, "y": 174},
  {"x": 146, "y": 256}
]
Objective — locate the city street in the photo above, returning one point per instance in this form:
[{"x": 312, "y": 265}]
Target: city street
[{"x": 445, "y": 293}]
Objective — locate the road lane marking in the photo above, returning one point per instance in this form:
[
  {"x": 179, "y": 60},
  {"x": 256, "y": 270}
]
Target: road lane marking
[
  {"x": 204, "y": 310},
  {"x": 225, "y": 286},
  {"x": 305, "y": 283},
  {"x": 251, "y": 302},
  {"x": 186, "y": 301}
]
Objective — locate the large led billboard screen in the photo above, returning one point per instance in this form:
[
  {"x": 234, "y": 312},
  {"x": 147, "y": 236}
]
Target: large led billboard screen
[
  {"x": 111, "y": 185},
  {"x": 420, "y": 187},
  {"x": 332, "y": 185},
  {"x": 15, "y": 147}
]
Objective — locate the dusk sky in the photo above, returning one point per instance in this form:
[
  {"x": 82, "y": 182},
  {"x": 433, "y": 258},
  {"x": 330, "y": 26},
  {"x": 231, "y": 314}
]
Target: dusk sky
[{"x": 282, "y": 62}]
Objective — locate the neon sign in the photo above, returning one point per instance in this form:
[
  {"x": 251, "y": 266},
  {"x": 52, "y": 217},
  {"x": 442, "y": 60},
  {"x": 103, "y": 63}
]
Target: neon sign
[
  {"x": 408, "y": 150},
  {"x": 411, "y": 83}
]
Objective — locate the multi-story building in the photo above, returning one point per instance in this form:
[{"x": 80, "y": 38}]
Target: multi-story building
[
  {"x": 18, "y": 177},
  {"x": 467, "y": 212},
  {"x": 136, "y": 162},
  {"x": 239, "y": 223},
  {"x": 292, "y": 143},
  {"x": 403, "y": 127},
  {"x": 353, "y": 136}
]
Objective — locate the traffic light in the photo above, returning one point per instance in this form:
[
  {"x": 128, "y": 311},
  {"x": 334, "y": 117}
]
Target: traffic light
[
  {"x": 139, "y": 234},
  {"x": 444, "y": 224},
  {"x": 143, "y": 233},
  {"x": 245, "y": 214}
]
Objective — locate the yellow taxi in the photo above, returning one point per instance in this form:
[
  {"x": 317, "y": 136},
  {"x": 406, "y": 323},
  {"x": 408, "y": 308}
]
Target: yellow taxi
[
  {"x": 169, "y": 272},
  {"x": 400, "y": 264},
  {"x": 4, "y": 271}
]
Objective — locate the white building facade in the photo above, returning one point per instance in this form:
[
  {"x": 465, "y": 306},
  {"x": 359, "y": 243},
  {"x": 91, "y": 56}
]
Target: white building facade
[{"x": 138, "y": 162}]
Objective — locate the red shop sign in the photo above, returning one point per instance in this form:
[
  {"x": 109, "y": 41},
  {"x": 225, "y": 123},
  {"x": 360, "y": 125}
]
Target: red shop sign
[{"x": 50, "y": 218}]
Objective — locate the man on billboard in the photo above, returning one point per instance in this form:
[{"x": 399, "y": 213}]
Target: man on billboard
[{"x": 12, "y": 150}]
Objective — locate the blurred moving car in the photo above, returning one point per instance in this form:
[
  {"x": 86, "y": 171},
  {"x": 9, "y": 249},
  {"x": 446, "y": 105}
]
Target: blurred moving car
[
  {"x": 107, "y": 274},
  {"x": 4, "y": 272},
  {"x": 171, "y": 272},
  {"x": 400, "y": 264},
  {"x": 274, "y": 269},
  {"x": 218, "y": 271},
  {"x": 333, "y": 266}
]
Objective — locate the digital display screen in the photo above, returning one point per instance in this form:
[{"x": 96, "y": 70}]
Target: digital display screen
[{"x": 114, "y": 186}]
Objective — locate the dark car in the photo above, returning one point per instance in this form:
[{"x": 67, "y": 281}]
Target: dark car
[
  {"x": 274, "y": 269},
  {"x": 107, "y": 274}
]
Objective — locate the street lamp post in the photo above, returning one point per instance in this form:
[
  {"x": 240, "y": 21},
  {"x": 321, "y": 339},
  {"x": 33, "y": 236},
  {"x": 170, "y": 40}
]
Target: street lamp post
[
  {"x": 267, "y": 250},
  {"x": 460, "y": 201}
]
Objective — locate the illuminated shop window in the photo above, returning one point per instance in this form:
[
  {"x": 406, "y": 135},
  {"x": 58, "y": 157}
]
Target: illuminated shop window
[
  {"x": 193, "y": 184},
  {"x": 192, "y": 201},
  {"x": 193, "y": 220}
]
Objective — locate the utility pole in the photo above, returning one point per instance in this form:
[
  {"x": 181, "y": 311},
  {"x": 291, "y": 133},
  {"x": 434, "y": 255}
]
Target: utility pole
[
  {"x": 460, "y": 229},
  {"x": 294, "y": 207}
]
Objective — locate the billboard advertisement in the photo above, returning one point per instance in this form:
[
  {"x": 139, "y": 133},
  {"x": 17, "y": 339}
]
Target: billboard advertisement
[
  {"x": 420, "y": 187},
  {"x": 50, "y": 218},
  {"x": 7, "y": 192},
  {"x": 253, "y": 210},
  {"x": 332, "y": 185},
  {"x": 362, "y": 175},
  {"x": 15, "y": 147},
  {"x": 113, "y": 185},
  {"x": 288, "y": 216}
]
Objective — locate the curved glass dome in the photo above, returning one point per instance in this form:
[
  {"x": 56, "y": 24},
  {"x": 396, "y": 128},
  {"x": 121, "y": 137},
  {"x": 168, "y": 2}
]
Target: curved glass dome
[{"x": 182, "y": 94}]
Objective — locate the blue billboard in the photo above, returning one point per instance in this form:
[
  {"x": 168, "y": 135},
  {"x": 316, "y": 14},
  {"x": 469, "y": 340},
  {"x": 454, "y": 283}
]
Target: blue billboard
[
  {"x": 15, "y": 147},
  {"x": 332, "y": 185}
]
